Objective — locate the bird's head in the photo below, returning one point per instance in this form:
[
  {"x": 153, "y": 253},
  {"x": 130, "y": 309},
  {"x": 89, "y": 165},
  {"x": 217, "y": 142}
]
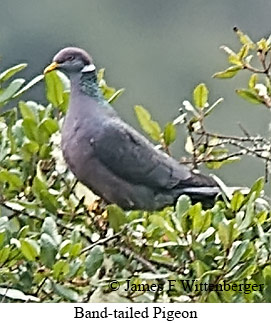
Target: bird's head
[{"x": 71, "y": 60}]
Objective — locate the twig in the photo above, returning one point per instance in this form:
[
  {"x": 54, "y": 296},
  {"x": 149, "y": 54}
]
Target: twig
[
  {"x": 102, "y": 241},
  {"x": 146, "y": 263}
]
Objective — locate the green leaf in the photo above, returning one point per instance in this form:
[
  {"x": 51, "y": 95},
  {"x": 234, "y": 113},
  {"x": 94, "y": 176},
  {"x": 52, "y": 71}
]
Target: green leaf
[
  {"x": 12, "y": 88},
  {"x": 30, "y": 249},
  {"x": 267, "y": 283},
  {"x": 238, "y": 253},
  {"x": 13, "y": 180},
  {"x": 75, "y": 249},
  {"x": 48, "y": 250},
  {"x": 65, "y": 247},
  {"x": 23, "y": 231},
  {"x": 207, "y": 220},
  {"x": 201, "y": 96},
  {"x": 49, "y": 125},
  {"x": 213, "y": 298},
  {"x": 107, "y": 91},
  {"x": 60, "y": 269},
  {"x": 94, "y": 261},
  {"x": 199, "y": 267},
  {"x": 245, "y": 271},
  {"x": 165, "y": 225},
  {"x": 235, "y": 60},
  {"x": 243, "y": 51},
  {"x": 244, "y": 39},
  {"x": 46, "y": 128},
  {"x": 250, "y": 214},
  {"x": 225, "y": 233},
  {"x": 45, "y": 151},
  {"x": 54, "y": 88},
  {"x": 197, "y": 218},
  {"x": 100, "y": 74},
  {"x": 65, "y": 81},
  {"x": 249, "y": 96},
  {"x": 116, "y": 217},
  {"x": 257, "y": 187},
  {"x": 4, "y": 254},
  {"x": 27, "y": 111},
  {"x": 219, "y": 164},
  {"x": 253, "y": 81},
  {"x": 30, "y": 129},
  {"x": 236, "y": 201},
  {"x": 66, "y": 293},
  {"x": 116, "y": 95},
  {"x": 49, "y": 226},
  {"x": 25, "y": 88},
  {"x": 38, "y": 185},
  {"x": 7, "y": 74},
  {"x": 151, "y": 127},
  {"x": 169, "y": 133},
  {"x": 212, "y": 107},
  {"x": 263, "y": 45},
  {"x": 2, "y": 238},
  {"x": 41, "y": 191},
  {"x": 228, "y": 73},
  {"x": 182, "y": 207},
  {"x": 30, "y": 148}
]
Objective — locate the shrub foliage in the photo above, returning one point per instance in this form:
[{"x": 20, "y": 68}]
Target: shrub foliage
[{"x": 58, "y": 243}]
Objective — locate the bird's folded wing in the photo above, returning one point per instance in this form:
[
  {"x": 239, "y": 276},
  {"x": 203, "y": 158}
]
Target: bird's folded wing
[{"x": 133, "y": 158}]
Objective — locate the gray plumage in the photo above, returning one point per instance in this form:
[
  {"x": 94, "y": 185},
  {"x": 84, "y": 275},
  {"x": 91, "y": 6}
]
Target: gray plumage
[{"x": 110, "y": 157}]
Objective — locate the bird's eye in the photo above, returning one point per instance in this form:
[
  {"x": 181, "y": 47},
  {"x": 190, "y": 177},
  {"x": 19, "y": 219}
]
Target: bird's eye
[{"x": 70, "y": 58}]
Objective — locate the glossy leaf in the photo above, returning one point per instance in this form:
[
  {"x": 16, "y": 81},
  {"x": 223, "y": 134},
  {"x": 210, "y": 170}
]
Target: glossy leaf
[
  {"x": 49, "y": 226},
  {"x": 253, "y": 81},
  {"x": 169, "y": 134},
  {"x": 200, "y": 95},
  {"x": 10, "y": 91},
  {"x": 7, "y": 74},
  {"x": 228, "y": 73},
  {"x": 249, "y": 215},
  {"x": 48, "y": 250},
  {"x": 65, "y": 292},
  {"x": 237, "y": 201},
  {"x": 94, "y": 261},
  {"x": 249, "y": 96},
  {"x": 13, "y": 180},
  {"x": 238, "y": 253},
  {"x": 30, "y": 129},
  {"x": 116, "y": 217},
  {"x": 116, "y": 95},
  {"x": 25, "y": 88},
  {"x": 54, "y": 88},
  {"x": 151, "y": 127},
  {"x": 27, "y": 111},
  {"x": 29, "y": 248},
  {"x": 197, "y": 218}
]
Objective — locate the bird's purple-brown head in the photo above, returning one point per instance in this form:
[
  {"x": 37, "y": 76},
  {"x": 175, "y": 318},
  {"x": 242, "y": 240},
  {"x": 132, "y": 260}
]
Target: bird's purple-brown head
[{"x": 71, "y": 60}]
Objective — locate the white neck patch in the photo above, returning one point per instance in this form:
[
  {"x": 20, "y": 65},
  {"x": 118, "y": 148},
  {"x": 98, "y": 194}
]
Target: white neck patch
[{"x": 89, "y": 68}]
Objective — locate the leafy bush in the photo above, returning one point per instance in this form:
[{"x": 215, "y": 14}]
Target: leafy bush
[{"x": 58, "y": 243}]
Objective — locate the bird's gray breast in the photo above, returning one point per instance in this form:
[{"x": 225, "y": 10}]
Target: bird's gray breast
[{"x": 77, "y": 144}]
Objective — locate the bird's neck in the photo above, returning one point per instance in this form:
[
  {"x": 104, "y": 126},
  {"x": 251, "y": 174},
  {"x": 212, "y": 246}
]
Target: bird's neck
[{"x": 88, "y": 85}]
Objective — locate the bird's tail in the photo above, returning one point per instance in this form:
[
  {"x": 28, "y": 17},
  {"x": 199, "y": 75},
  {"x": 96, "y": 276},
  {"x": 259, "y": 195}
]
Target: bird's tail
[{"x": 208, "y": 194}]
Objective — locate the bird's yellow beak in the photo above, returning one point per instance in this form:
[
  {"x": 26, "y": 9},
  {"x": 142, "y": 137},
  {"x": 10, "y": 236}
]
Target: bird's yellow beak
[{"x": 50, "y": 67}]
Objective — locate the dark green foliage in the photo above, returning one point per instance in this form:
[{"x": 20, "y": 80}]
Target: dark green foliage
[{"x": 55, "y": 248}]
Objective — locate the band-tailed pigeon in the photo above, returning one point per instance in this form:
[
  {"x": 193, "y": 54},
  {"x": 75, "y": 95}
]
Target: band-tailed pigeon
[{"x": 109, "y": 156}]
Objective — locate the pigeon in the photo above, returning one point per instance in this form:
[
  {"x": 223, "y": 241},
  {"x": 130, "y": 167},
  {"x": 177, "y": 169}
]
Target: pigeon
[{"x": 110, "y": 157}]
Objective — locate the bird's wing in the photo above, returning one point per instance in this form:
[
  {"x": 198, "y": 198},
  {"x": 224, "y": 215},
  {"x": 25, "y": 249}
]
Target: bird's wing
[{"x": 133, "y": 158}]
